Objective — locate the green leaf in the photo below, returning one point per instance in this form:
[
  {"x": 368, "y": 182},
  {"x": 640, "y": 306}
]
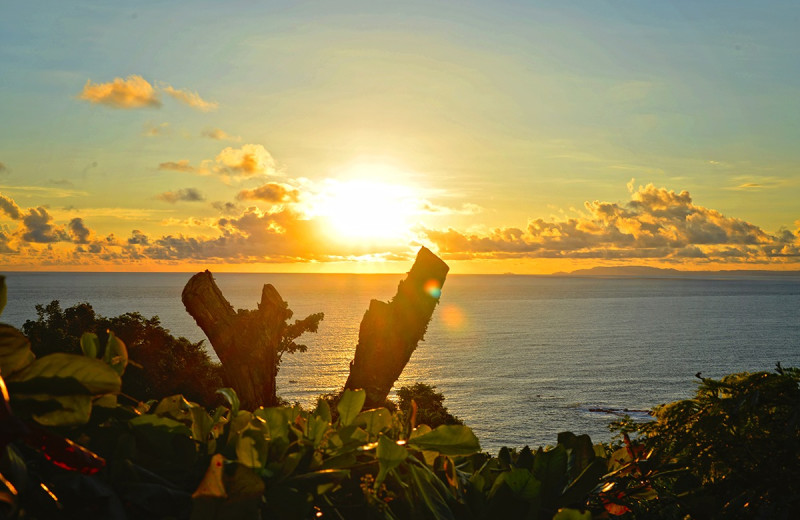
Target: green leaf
[
  {"x": 390, "y": 455},
  {"x": 3, "y": 293},
  {"x": 427, "y": 489},
  {"x": 251, "y": 448},
  {"x": 316, "y": 429},
  {"x": 202, "y": 423},
  {"x": 374, "y": 421},
  {"x": 90, "y": 345},
  {"x": 350, "y": 406},
  {"x": 61, "y": 410},
  {"x": 15, "y": 351},
  {"x": 277, "y": 420},
  {"x": 230, "y": 395},
  {"x": 116, "y": 355},
  {"x": 163, "y": 423},
  {"x": 323, "y": 410},
  {"x": 523, "y": 483},
  {"x": 448, "y": 439},
  {"x": 93, "y": 375}
]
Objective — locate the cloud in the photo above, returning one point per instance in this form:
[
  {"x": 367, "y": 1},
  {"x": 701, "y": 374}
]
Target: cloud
[
  {"x": 138, "y": 238},
  {"x": 178, "y": 166},
  {"x": 132, "y": 92},
  {"x": 226, "y": 208},
  {"x": 655, "y": 223},
  {"x": 37, "y": 227},
  {"x": 219, "y": 135},
  {"x": 10, "y": 207},
  {"x": 3, "y": 168},
  {"x": 78, "y": 231},
  {"x": 190, "y": 98},
  {"x": 151, "y": 130},
  {"x": 271, "y": 192},
  {"x": 185, "y": 195},
  {"x": 426, "y": 206},
  {"x": 249, "y": 160}
]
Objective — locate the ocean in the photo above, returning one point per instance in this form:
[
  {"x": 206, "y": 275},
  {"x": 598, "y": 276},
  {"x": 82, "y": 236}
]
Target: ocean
[{"x": 518, "y": 358}]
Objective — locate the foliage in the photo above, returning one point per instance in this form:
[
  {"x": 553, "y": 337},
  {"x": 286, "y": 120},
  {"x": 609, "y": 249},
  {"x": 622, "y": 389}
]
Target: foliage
[
  {"x": 733, "y": 451},
  {"x": 428, "y": 405},
  {"x": 70, "y": 449},
  {"x": 160, "y": 364}
]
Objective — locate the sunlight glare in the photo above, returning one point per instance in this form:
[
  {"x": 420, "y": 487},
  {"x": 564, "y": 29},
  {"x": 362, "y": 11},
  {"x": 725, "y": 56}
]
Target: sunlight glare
[{"x": 367, "y": 210}]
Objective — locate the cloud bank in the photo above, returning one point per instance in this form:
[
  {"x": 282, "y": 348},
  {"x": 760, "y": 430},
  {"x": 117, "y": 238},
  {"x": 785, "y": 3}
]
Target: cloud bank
[{"x": 655, "y": 224}]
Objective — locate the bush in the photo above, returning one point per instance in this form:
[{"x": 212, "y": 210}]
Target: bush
[
  {"x": 430, "y": 405},
  {"x": 161, "y": 364},
  {"x": 733, "y": 451}
]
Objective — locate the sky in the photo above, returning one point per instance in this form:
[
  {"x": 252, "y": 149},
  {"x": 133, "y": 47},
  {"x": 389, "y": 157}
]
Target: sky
[{"x": 525, "y": 137}]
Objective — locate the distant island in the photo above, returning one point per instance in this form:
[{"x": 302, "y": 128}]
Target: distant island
[{"x": 641, "y": 271}]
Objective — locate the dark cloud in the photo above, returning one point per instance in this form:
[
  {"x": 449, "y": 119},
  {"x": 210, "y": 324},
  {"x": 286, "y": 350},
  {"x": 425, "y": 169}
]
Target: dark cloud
[
  {"x": 10, "y": 207},
  {"x": 138, "y": 238},
  {"x": 78, "y": 231},
  {"x": 271, "y": 192},
  {"x": 37, "y": 227},
  {"x": 226, "y": 208},
  {"x": 3, "y": 168},
  {"x": 183, "y": 195}
]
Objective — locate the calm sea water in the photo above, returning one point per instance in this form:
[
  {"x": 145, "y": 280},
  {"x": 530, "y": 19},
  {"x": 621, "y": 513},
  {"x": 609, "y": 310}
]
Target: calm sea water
[{"x": 519, "y": 358}]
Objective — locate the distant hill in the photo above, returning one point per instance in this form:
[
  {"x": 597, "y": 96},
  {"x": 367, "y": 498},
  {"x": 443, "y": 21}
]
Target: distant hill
[{"x": 641, "y": 271}]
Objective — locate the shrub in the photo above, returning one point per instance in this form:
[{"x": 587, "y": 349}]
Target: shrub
[
  {"x": 430, "y": 405},
  {"x": 161, "y": 364}
]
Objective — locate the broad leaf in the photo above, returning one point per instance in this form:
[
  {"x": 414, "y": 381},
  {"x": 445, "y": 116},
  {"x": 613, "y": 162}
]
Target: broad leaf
[
  {"x": 350, "y": 406},
  {"x": 448, "y": 439},
  {"x": 93, "y": 375},
  {"x": 59, "y": 410},
  {"x": 390, "y": 455},
  {"x": 323, "y": 410},
  {"x": 428, "y": 488},
  {"x": 164, "y": 423},
  {"x": 374, "y": 421},
  {"x": 90, "y": 345},
  {"x": 15, "y": 351},
  {"x": 230, "y": 395},
  {"x": 116, "y": 355},
  {"x": 277, "y": 420}
]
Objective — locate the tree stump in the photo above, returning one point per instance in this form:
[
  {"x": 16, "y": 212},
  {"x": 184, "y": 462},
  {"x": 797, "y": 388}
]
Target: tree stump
[
  {"x": 390, "y": 331},
  {"x": 246, "y": 341}
]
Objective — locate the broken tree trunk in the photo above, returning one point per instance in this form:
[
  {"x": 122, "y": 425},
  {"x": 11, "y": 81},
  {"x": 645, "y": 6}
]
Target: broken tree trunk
[
  {"x": 390, "y": 331},
  {"x": 246, "y": 341}
]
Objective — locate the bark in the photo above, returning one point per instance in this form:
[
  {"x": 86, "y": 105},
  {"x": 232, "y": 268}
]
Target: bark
[
  {"x": 390, "y": 332},
  {"x": 246, "y": 341}
]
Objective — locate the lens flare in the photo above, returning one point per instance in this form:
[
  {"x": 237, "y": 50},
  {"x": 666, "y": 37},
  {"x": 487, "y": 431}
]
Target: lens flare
[
  {"x": 452, "y": 316},
  {"x": 433, "y": 288}
]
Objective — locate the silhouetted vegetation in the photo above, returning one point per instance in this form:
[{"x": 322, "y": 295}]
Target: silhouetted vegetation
[
  {"x": 160, "y": 364},
  {"x": 70, "y": 449},
  {"x": 428, "y": 407}
]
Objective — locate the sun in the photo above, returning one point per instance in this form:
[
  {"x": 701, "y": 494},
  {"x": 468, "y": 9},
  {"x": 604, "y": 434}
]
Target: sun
[{"x": 361, "y": 209}]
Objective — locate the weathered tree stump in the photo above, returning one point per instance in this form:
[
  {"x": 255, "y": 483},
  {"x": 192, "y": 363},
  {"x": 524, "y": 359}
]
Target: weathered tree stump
[
  {"x": 246, "y": 341},
  {"x": 390, "y": 331}
]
